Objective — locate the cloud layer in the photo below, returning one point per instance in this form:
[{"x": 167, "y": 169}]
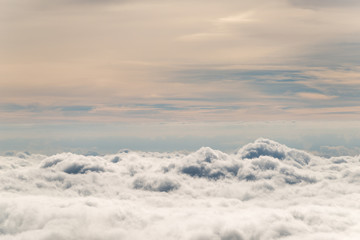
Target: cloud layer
[
  {"x": 205, "y": 60},
  {"x": 263, "y": 191}
]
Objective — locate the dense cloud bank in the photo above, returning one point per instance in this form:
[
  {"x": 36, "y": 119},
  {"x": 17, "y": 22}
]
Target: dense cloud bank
[{"x": 263, "y": 191}]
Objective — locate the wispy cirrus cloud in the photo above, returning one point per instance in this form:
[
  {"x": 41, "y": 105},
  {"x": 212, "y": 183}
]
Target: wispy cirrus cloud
[
  {"x": 315, "y": 96},
  {"x": 247, "y": 59},
  {"x": 324, "y": 3}
]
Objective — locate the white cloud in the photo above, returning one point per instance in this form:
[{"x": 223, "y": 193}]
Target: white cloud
[{"x": 264, "y": 191}]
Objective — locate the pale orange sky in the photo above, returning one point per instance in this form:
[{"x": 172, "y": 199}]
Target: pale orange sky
[{"x": 191, "y": 61}]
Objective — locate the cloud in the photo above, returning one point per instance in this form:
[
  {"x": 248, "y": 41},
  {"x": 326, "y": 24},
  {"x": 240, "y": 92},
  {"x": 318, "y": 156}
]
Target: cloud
[
  {"x": 155, "y": 184},
  {"x": 77, "y": 108},
  {"x": 328, "y": 151},
  {"x": 206, "y": 194},
  {"x": 244, "y": 17},
  {"x": 317, "y": 96},
  {"x": 79, "y": 55},
  {"x": 324, "y": 3}
]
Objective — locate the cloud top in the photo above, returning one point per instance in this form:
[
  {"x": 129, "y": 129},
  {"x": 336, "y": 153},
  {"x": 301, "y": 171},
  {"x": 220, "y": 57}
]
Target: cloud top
[{"x": 206, "y": 194}]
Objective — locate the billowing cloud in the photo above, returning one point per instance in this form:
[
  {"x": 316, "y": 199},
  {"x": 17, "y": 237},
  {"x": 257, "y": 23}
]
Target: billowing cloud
[{"x": 206, "y": 194}]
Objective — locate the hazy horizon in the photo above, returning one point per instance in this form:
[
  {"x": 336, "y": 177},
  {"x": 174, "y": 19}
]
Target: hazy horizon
[{"x": 320, "y": 138}]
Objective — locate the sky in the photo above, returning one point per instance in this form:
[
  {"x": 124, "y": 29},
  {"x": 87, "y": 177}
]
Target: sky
[{"x": 174, "y": 75}]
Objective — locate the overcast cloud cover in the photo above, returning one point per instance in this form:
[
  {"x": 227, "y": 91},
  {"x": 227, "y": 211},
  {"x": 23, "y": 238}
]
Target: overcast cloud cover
[{"x": 264, "y": 190}]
